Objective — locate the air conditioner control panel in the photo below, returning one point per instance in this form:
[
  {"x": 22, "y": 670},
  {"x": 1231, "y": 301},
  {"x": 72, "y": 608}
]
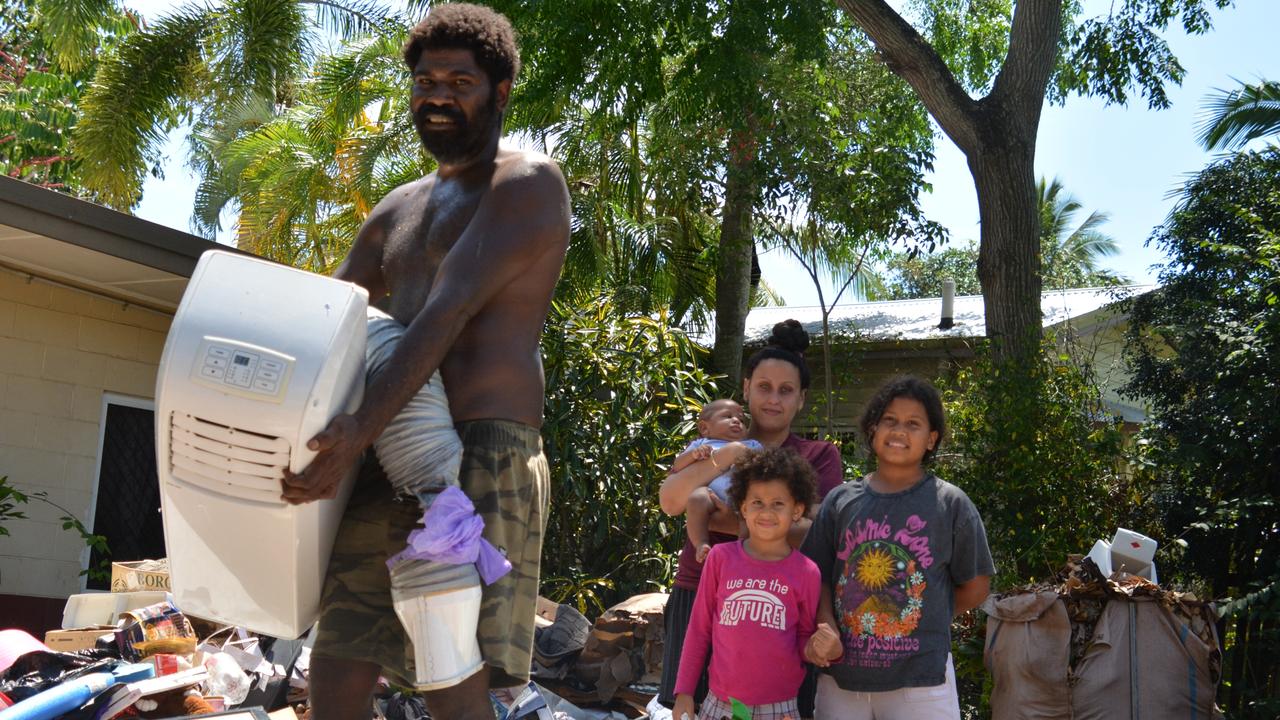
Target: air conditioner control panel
[{"x": 242, "y": 369}]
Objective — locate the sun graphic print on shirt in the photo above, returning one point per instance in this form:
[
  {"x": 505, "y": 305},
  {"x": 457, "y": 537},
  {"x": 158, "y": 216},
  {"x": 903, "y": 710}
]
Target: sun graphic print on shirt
[{"x": 879, "y": 597}]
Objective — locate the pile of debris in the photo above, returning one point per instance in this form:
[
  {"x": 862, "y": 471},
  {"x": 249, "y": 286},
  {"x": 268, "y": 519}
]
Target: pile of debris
[
  {"x": 615, "y": 663},
  {"x": 133, "y": 653},
  {"x": 1089, "y": 644}
]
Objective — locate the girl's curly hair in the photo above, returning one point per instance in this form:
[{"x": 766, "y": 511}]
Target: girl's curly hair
[{"x": 782, "y": 464}]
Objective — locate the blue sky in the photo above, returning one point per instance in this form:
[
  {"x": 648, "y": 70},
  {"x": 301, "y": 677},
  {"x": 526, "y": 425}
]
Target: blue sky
[{"x": 1125, "y": 161}]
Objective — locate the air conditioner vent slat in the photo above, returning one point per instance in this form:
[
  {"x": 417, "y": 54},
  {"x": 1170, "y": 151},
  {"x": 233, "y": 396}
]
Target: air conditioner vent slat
[
  {"x": 258, "y": 457},
  {"x": 226, "y": 460},
  {"x": 230, "y": 435}
]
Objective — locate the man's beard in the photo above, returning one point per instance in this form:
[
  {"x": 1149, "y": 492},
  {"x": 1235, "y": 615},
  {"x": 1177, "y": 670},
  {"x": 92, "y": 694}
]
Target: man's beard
[{"x": 466, "y": 140}]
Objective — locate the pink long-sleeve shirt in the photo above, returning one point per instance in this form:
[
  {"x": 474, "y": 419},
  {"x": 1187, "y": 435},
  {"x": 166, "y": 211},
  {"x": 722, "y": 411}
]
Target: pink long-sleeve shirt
[{"x": 755, "y": 616}]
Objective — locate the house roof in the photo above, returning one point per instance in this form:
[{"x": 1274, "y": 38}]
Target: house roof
[
  {"x": 919, "y": 319},
  {"x": 78, "y": 243}
]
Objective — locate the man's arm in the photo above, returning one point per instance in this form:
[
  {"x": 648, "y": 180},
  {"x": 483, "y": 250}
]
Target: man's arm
[
  {"x": 363, "y": 264},
  {"x": 520, "y": 220}
]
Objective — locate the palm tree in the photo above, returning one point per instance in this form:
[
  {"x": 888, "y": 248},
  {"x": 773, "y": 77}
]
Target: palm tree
[
  {"x": 1234, "y": 118},
  {"x": 304, "y": 178},
  {"x": 198, "y": 64},
  {"x": 1069, "y": 255}
]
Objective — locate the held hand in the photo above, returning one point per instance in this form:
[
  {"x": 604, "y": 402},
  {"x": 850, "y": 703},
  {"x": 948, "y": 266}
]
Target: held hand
[
  {"x": 703, "y": 550},
  {"x": 339, "y": 446},
  {"x": 702, "y": 452},
  {"x": 683, "y": 709},
  {"x": 824, "y": 646}
]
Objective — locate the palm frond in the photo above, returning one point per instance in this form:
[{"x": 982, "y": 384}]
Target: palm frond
[
  {"x": 351, "y": 18},
  {"x": 257, "y": 46},
  {"x": 136, "y": 97},
  {"x": 71, "y": 27},
  {"x": 1233, "y": 118}
]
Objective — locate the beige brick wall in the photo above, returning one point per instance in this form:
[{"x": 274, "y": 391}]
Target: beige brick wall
[{"x": 60, "y": 351}]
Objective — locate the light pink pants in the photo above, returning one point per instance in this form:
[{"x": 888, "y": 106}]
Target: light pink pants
[{"x": 939, "y": 702}]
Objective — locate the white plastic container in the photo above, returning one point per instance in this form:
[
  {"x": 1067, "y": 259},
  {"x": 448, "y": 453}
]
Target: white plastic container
[
  {"x": 442, "y": 627},
  {"x": 258, "y": 359},
  {"x": 104, "y": 608},
  {"x": 1133, "y": 550}
]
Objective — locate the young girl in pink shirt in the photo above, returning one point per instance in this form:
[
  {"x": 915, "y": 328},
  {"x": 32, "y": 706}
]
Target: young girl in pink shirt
[{"x": 757, "y": 601}]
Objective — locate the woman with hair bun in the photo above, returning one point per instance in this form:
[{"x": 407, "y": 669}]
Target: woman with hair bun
[{"x": 774, "y": 385}]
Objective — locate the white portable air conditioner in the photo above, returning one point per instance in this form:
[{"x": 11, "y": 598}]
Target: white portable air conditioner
[{"x": 258, "y": 360}]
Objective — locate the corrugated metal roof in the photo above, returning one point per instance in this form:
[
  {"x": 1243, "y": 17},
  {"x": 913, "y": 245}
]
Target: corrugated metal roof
[{"x": 919, "y": 319}]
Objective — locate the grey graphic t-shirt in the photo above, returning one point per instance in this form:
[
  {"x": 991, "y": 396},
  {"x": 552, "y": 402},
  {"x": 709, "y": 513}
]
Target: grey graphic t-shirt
[{"x": 892, "y": 562}]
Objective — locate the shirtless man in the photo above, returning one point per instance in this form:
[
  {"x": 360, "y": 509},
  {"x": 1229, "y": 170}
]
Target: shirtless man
[{"x": 467, "y": 258}]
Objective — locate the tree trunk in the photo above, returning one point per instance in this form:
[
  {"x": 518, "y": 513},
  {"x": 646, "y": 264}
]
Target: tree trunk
[
  {"x": 998, "y": 136},
  {"x": 1009, "y": 254},
  {"x": 733, "y": 273}
]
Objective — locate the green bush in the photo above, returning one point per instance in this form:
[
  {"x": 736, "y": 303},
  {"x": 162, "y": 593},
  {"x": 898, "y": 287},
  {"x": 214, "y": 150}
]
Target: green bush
[
  {"x": 1039, "y": 456},
  {"x": 1204, "y": 351},
  {"x": 622, "y": 396},
  {"x": 11, "y": 502},
  {"x": 1042, "y": 460}
]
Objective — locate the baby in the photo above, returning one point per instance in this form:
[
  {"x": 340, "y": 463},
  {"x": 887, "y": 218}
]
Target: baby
[{"x": 721, "y": 422}]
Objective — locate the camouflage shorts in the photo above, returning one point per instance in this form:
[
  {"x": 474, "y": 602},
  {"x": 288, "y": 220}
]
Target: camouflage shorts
[{"x": 505, "y": 474}]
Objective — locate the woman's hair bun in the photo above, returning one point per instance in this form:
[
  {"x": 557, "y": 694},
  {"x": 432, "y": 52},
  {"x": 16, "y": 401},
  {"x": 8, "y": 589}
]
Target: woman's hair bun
[{"x": 789, "y": 335}]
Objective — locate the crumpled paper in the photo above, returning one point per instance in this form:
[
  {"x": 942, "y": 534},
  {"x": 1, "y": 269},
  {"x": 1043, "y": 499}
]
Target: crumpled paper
[{"x": 451, "y": 533}]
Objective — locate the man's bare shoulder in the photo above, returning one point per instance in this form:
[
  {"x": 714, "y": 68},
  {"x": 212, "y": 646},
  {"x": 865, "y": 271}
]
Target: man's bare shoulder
[{"x": 527, "y": 167}]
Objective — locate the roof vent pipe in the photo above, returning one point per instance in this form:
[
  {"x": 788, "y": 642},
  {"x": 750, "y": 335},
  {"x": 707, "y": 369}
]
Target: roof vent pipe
[{"x": 948, "y": 304}]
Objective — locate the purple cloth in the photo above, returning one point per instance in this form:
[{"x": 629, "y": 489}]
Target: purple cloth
[{"x": 451, "y": 534}]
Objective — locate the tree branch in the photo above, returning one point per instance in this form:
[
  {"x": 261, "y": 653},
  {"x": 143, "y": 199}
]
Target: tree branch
[
  {"x": 1019, "y": 89},
  {"x": 912, "y": 58}
]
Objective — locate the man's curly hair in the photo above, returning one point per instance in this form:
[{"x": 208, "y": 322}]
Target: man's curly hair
[
  {"x": 486, "y": 33},
  {"x": 782, "y": 464}
]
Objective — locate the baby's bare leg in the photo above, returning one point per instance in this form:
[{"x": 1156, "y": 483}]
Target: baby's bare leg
[{"x": 697, "y": 514}]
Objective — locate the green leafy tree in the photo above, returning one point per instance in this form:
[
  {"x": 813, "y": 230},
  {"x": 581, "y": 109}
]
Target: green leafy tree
[
  {"x": 305, "y": 177},
  {"x": 825, "y": 255},
  {"x": 1237, "y": 117},
  {"x": 1070, "y": 254},
  {"x": 920, "y": 275},
  {"x": 1058, "y": 485},
  {"x": 1204, "y": 351},
  {"x": 737, "y": 80},
  {"x": 623, "y": 393},
  {"x": 1014, "y": 55},
  {"x": 202, "y": 63},
  {"x": 40, "y": 90}
]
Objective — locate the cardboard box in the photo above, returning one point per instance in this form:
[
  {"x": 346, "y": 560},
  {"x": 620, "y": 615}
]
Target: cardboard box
[
  {"x": 140, "y": 576},
  {"x": 76, "y": 638}
]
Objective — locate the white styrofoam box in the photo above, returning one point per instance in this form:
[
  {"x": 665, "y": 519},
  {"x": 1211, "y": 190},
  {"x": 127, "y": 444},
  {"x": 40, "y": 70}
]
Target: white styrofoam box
[
  {"x": 1137, "y": 549},
  {"x": 1100, "y": 554},
  {"x": 1108, "y": 560},
  {"x": 259, "y": 358},
  {"x": 103, "y": 608}
]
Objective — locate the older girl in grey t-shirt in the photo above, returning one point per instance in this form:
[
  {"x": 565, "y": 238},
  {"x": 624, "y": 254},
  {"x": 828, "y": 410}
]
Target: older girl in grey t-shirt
[{"x": 902, "y": 552}]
